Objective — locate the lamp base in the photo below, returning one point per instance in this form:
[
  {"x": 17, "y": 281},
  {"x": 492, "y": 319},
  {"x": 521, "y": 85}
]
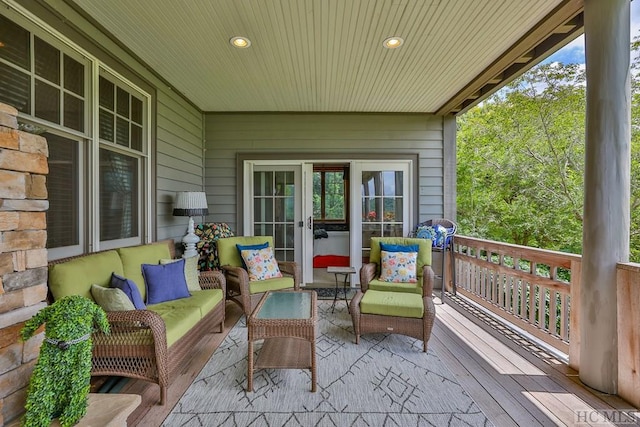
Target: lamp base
[{"x": 190, "y": 240}]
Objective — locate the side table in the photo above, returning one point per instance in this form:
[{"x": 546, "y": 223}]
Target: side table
[{"x": 346, "y": 272}]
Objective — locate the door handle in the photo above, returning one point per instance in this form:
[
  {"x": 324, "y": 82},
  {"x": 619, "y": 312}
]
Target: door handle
[{"x": 309, "y": 223}]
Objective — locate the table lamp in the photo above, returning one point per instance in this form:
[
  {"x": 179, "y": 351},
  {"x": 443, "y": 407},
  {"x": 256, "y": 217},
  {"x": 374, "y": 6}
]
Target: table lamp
[{"x": 190, "y": 203}]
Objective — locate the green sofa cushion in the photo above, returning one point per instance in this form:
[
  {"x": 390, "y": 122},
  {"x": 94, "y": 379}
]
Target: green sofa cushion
[
  {"x": 205, "y": 300},
  {"x": 178, "y": 317},
  {"x": 397, "y": 304},
  {"x": 424, "y": 251},
  {"x": 134, "y": 256},
  {"x": 379, "y": 285},
  {"x": 228, "y": 252},
  {"x": 76, "y": 276},
  {"x": 271, "y": 285}
]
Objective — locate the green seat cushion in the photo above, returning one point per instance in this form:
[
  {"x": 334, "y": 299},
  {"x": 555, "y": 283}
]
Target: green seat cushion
[
  {"x": 228, "y": 252},
  {"x": 178, "y": 318},
  {"x": 76, "y": 276},
  {"x": 397, "y": 304},
  {"x": 134, "y": 256},
  {"x": 274, "y": 284},
  {"x": 424, "y": 250},
  {"x": 205, "y": 300},
  {"x": 380, "y": 285}
]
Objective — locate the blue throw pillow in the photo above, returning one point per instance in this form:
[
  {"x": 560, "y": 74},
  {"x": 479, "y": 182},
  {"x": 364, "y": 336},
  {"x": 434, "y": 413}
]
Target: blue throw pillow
[
  {"x": 250, "y": 248},
  {"x": 398, "y": 248},
  {"x": 165, "y": 282},
  {"x": 129, "y": 287}
]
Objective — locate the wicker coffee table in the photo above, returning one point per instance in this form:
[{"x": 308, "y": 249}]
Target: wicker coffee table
[{"x": 286, "y": 321}]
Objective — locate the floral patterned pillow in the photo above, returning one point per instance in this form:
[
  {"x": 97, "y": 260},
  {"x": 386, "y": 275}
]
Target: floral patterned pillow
[
  {"x": 398, "y": 267},
  {"x": 261, "y": 264}
]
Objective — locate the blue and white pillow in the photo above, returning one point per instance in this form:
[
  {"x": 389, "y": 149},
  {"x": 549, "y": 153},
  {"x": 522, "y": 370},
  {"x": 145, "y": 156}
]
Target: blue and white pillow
[{"x": 437, "y": 233}]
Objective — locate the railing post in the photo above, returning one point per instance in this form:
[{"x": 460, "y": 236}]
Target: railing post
[{"x": 574, "y": 318}]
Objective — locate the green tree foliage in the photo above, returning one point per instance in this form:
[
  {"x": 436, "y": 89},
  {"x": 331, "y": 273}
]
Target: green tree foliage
[{"x": 521, "y": 161}]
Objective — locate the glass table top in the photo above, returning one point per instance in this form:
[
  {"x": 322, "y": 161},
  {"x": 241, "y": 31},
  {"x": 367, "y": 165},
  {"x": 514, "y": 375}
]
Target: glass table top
[{"x": 286, "y": 305}]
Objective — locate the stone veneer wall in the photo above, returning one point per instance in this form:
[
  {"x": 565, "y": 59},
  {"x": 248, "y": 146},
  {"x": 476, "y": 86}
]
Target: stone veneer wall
[{"x": 23, "y": 256}]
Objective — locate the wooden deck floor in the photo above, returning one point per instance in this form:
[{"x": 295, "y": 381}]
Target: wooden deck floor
[{"x": 514, "y": 382}]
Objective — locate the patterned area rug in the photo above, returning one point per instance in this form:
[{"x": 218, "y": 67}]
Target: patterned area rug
[
  {"x": 386, "y": 380},
  {"x": 329, "y": 292}
]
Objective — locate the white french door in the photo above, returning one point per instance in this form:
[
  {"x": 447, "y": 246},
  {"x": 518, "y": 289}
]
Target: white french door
[
  {"x": 279, "y": 202},
  {"x": 273, "y": 206},
  {"x": 383, "y": 203}
]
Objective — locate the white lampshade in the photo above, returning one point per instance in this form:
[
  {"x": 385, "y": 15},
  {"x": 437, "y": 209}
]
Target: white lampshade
[{"x": 191, "y": 203}]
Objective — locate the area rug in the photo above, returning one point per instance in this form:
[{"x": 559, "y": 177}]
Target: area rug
[
  {"x": 330, "y": 292},
  {"x": 386, "y": 380}
]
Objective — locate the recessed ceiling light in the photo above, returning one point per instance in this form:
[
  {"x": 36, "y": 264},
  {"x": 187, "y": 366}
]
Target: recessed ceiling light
[
  {"x": 240, "y": 42},
  {"x": 392, "y": 42}
]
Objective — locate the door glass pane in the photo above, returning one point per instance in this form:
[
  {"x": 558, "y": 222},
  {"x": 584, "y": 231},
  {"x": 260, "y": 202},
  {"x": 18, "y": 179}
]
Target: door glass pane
[
  {"x": 119, "y": 210},
  {"x": 263, "y": 209},
  {"x": 63, "y": 187},
  {"x": 47, "y": 61},
  {"x": 263, "y": 229},
  {"x": 15, "y": 88},
  {"x": 382, "y": 206},
  {"x": 274, "y": 209},
  {"x": 73, "y": 76},
  {"x": 16, "y": 42},
  {"x": 263, "y": 183},
  {"x": 47, "y": 102}
]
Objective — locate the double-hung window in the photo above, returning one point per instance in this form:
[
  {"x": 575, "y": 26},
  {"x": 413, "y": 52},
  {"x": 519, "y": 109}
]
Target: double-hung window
[{"x": 97, "y": 127}]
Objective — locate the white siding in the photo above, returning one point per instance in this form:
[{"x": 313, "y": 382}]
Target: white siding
[{"x": 311, "y": 135}]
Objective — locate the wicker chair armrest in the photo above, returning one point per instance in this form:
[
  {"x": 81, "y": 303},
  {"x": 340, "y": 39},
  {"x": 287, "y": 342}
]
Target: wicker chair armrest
[
  {"x": 291, "y": 268},
  {"x": 212, "y": 279},
  {"x": 427, "y": 281},
  {"x": 237, "y": 278},
  {"x": 367, "y": 273}
]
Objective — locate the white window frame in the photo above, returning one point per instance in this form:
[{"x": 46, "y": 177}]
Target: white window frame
[{"x": 90, "y": 146}]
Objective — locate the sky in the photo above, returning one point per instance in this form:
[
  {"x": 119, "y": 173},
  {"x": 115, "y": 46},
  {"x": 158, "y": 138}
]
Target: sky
[{"x": 574, "y": 51}]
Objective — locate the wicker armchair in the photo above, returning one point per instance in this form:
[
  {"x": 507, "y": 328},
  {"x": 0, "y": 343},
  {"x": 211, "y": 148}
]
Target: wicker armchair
[
  {"x": 240, "y": 289},
  {"x": 370, "y": 272},
  {"x": 419, "y": 328}
]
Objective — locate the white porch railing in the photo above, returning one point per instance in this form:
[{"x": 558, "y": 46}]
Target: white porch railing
[{"x": 531, "y": 288}]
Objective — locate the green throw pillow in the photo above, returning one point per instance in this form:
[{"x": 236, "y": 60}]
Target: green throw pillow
[
  {"x": 190, "y": 272},
  {"x": 111, "y": 299}
]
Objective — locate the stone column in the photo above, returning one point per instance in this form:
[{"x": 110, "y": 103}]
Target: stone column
[
  {"x": 607, "y": 186},
  {"x": 23, "y": 257}
]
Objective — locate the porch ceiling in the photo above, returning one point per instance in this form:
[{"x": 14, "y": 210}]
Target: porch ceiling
[{"x": 327, "y": 55}]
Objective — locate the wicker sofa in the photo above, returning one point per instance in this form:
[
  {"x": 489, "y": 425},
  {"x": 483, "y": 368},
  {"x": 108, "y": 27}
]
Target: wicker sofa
[{"x": 143, "y": 344}]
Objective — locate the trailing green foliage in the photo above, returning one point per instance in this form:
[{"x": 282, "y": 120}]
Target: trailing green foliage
[
  {"x": 60, "y": 381},
  {"x": 521, "y": 161}
]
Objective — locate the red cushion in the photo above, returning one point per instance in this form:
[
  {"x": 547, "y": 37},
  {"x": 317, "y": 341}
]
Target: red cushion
[{"x": 323, "y": 261}]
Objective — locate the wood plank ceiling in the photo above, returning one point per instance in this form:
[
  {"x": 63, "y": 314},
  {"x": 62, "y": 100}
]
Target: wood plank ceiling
[{"x": 327, "y": 55}]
